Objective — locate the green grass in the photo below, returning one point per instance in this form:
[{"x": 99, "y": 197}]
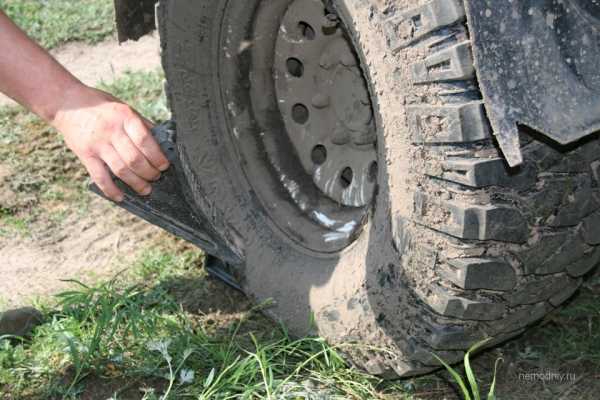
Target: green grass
[
  {"x": 55, "y": 22},
  {"x": 47, "y": 179},
  {"x": 469, "y": 387},
  {"x": 143, "y": 91},
  {"x": 132, "y": 333},
  {"x": 572, "y": 334},
  {"x": 9, "y": 224}
]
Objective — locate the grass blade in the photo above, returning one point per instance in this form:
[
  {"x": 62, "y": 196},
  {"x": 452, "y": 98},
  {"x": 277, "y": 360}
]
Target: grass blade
[
  {"x": 457, "y": 378},
  {"x": 492, "y": 395},
  {"x": 469, "y": 371}
]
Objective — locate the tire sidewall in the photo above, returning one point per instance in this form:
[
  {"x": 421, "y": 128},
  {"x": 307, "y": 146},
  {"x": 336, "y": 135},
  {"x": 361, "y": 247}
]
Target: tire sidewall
[{"x": 308, "y": 290}]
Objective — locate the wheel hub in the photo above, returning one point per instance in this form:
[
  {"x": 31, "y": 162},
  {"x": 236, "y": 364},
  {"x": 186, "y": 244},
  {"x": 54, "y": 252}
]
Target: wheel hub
[{"x": 323, "y": 99}]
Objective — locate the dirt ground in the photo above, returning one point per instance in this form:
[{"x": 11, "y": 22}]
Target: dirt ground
[
  {"x": 107, "y": 60},
  {"x": 92, "y": 246},
  {"x": 88, "y": 246}
]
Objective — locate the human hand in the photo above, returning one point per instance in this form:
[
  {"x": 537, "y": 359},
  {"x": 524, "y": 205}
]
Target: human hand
[{"x": 107, "y": 134}]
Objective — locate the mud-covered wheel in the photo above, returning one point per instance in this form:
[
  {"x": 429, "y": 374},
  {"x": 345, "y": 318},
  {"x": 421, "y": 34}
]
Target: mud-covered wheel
[{"x": 343, "y": 148}]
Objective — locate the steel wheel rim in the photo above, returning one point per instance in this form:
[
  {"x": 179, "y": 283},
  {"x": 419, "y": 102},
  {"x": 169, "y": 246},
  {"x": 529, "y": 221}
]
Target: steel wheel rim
[{"x": 273, "y": 165}]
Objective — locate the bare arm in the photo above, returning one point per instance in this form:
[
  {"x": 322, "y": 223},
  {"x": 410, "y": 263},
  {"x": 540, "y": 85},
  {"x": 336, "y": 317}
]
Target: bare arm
[{"x": 101, "y": 130}]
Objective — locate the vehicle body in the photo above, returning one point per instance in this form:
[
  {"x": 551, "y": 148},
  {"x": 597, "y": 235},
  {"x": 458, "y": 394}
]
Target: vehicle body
[{"x": 406, "y": 176}]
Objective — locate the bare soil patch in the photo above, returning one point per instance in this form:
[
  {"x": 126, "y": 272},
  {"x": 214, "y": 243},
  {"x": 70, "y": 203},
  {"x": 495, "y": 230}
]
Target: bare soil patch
[
  {"x": 88, "y": 245},
  {"x": 106, "y": 60}
]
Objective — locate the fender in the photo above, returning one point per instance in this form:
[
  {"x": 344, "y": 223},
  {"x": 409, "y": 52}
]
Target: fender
[
  {"x": 135, "y": 18},
  {"x": 538, "y": 65}
]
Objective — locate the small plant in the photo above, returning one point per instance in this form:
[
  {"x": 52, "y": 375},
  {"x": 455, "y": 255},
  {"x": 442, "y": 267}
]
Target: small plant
[{"x": 471, "y": 392}]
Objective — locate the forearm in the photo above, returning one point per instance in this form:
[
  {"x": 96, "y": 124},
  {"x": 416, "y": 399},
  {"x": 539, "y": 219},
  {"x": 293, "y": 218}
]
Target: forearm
[
  {"x": 104, "y": 132},
  {"x": 31, "y": 76}
]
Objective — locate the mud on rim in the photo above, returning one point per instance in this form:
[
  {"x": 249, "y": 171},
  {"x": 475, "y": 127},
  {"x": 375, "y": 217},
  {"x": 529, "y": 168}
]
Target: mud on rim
[{"x": 302, "y": 120}]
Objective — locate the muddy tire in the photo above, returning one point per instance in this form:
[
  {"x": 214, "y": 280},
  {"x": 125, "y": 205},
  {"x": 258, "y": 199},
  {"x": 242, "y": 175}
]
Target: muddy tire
[{"x": 455, "y": 246}]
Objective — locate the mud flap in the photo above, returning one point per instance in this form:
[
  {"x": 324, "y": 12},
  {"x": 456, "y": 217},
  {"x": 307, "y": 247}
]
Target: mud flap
[
  {"x": 167, "y": 207},
  {"x": 537, "y": 65}
]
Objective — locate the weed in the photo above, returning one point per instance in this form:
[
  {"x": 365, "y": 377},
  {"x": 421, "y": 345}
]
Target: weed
[
  {"x": 11, "y": 225},
  {"x": 139, "y": 333},
  {"x": 160, "y": 265},
  {"x": 571, "y": 333},
  {"x": 471, "y": 391}
]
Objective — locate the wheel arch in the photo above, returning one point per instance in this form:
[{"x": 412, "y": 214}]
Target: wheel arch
[{"x": 134, "y": 18}]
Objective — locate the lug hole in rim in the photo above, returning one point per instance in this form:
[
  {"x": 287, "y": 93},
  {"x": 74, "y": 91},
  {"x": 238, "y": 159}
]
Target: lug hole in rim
[
  {"x": 373, "y": 170},
  {"x": 300, "y": 113},
  {"x": 313, "y": 114},
  {"x": 295, "y": 67},
  {"x": 346, "y": 177},
  {"x": 319, "y": 154},
  {"x": 306, "y": 31}
]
